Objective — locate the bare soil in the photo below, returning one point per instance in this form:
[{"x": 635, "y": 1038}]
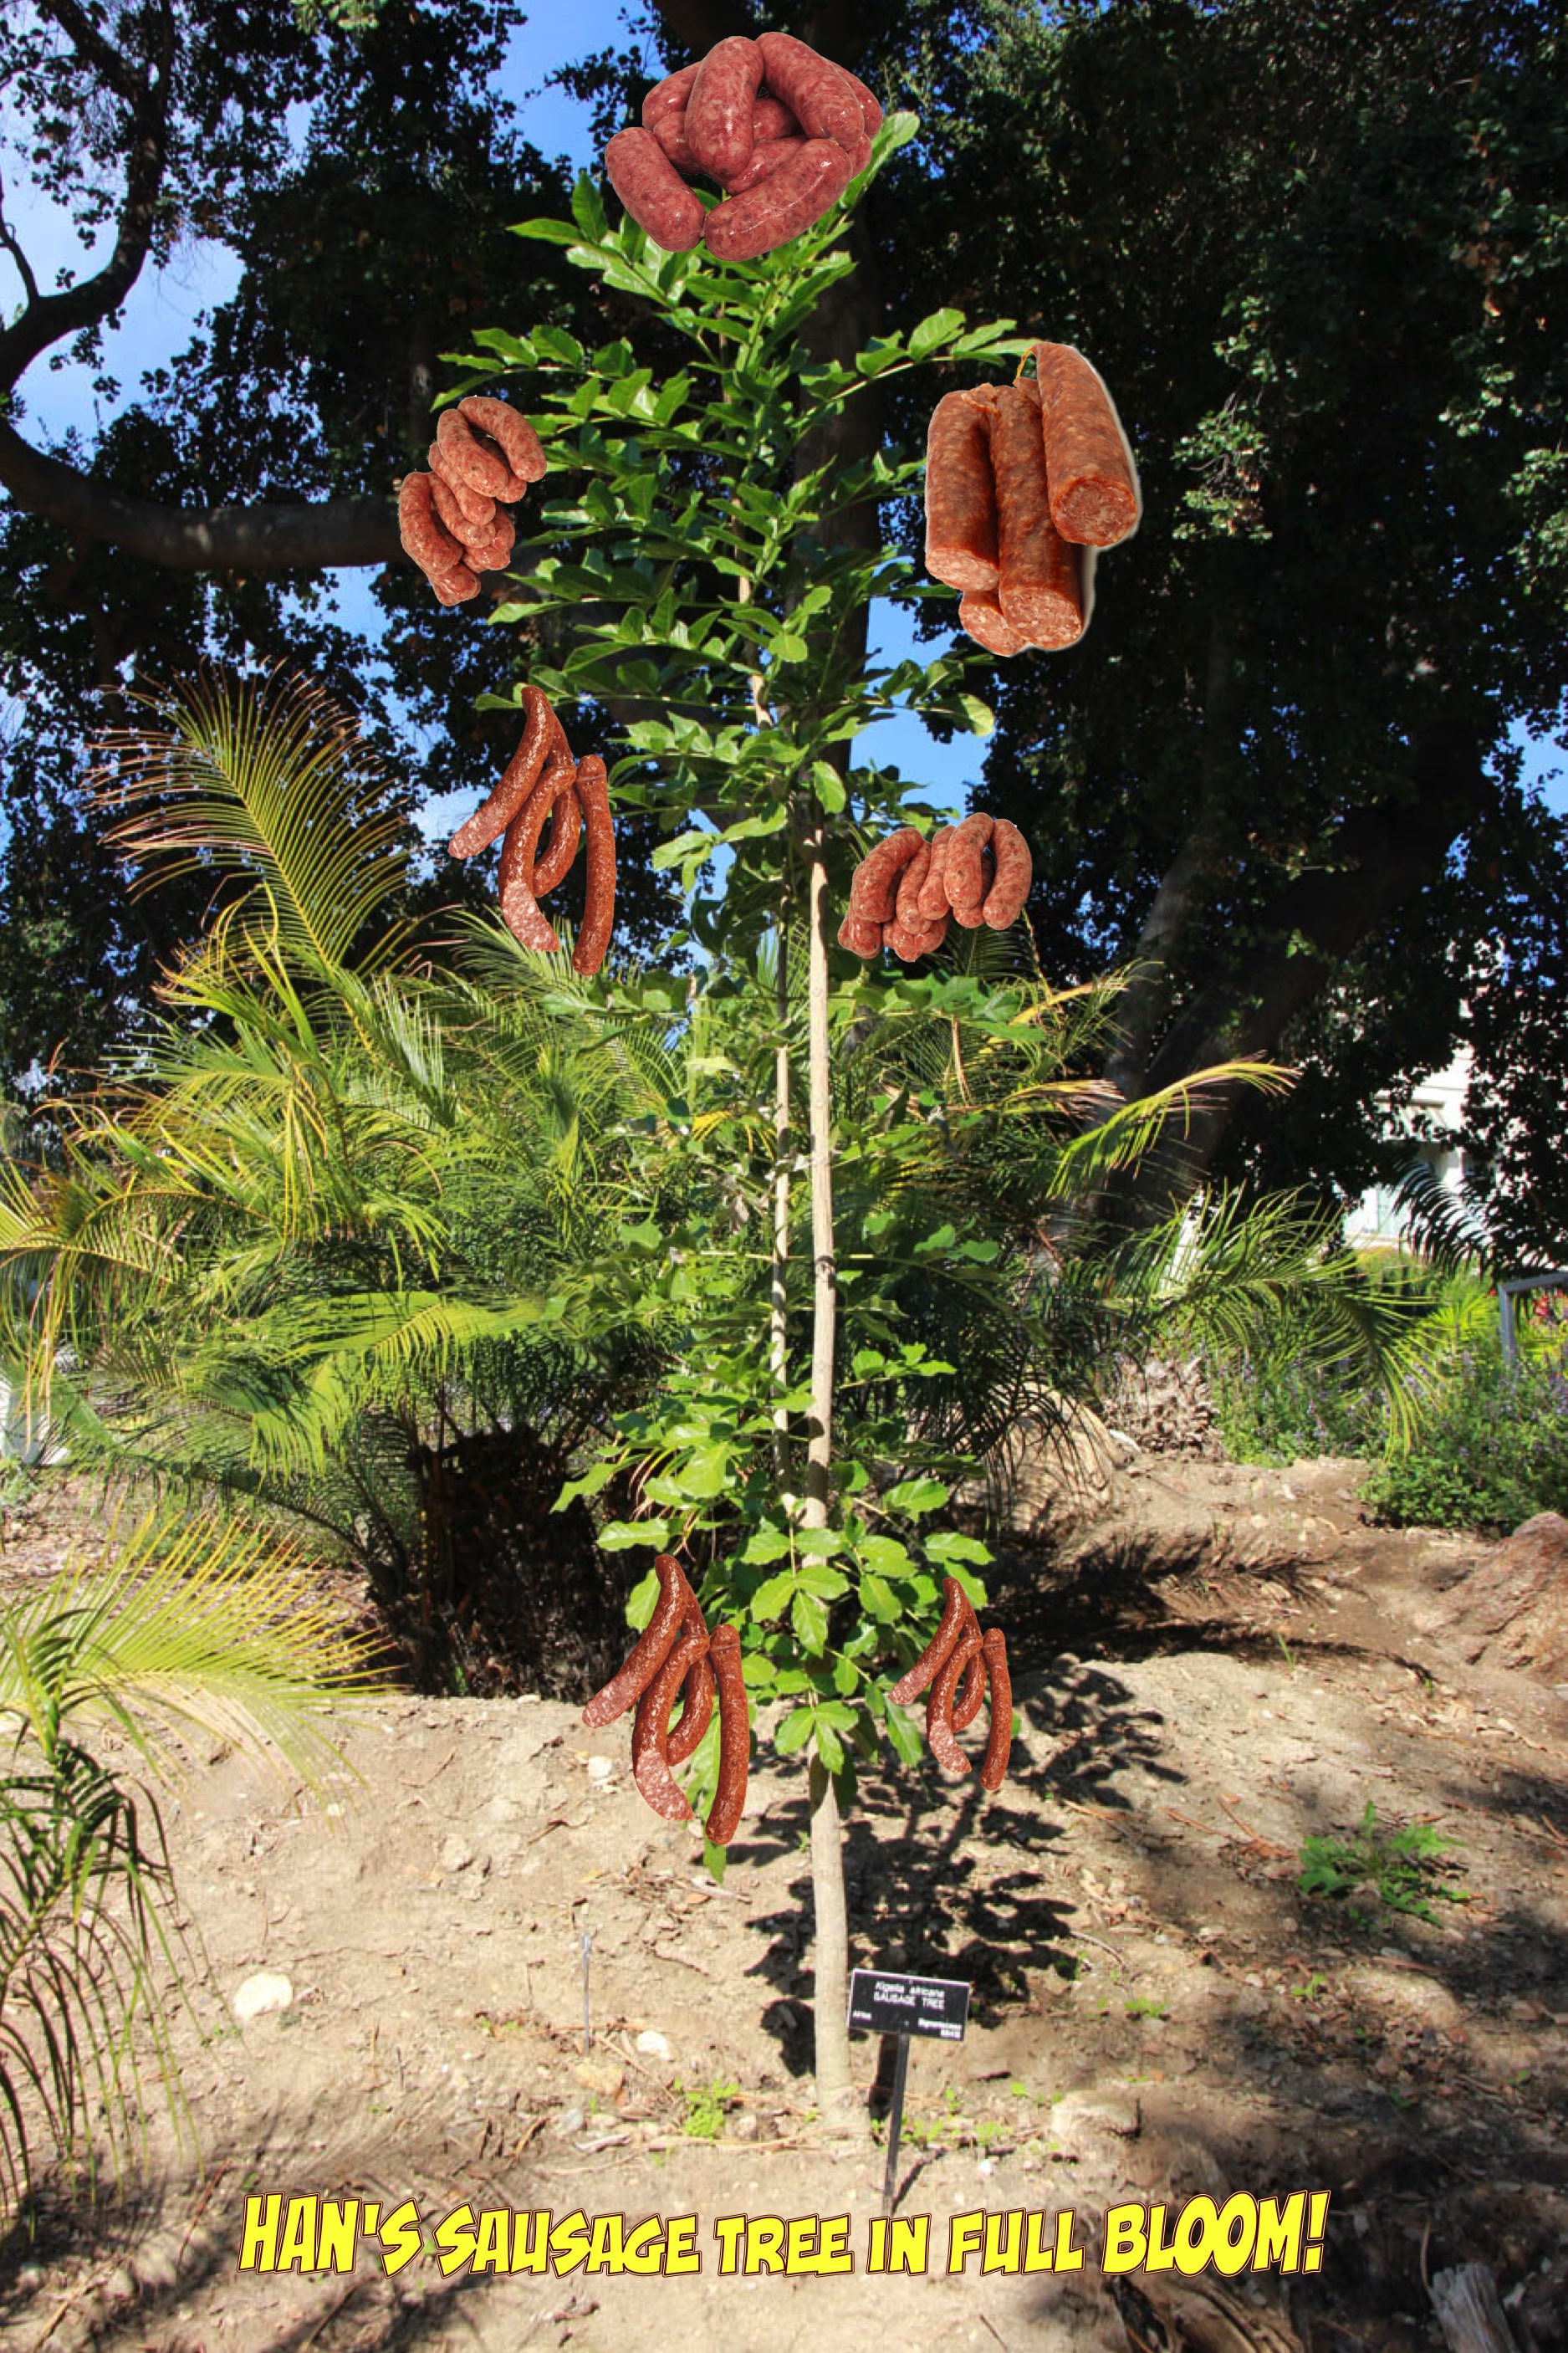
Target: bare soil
[{"x": 1216, "y": 1664}]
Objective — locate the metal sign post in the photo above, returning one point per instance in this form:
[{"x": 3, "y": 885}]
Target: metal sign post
[{"x": 890, "y": 2003}]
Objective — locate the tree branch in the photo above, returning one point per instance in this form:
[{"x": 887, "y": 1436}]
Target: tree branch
[{"x": 266, "y": 538}]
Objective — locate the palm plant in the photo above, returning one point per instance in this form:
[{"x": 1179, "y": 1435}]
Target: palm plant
[{"x": 202, "y": 1625}]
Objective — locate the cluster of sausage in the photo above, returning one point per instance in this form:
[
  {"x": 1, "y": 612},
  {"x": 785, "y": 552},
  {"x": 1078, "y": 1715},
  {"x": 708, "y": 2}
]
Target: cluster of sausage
[
  {"x": 452, "y": 519},
  {"x": 782, "y": 130},
  {"x": 543, "y": 780},
  {"x": 905, "y": 892},
  {"x": 676, "y": 1657},
  {"x": 1023, "y": 482},
  {"x": 957, "y": 1664}
]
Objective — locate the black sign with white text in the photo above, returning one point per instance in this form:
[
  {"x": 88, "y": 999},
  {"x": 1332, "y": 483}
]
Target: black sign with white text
[{"x": 889, "y": 2003}]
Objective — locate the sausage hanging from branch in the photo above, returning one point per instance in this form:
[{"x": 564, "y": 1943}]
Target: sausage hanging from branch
[
  {"x": 906, "y": 891},
  {"x": 544, "y": 784},
  {"x": 674, "y": 1653}
]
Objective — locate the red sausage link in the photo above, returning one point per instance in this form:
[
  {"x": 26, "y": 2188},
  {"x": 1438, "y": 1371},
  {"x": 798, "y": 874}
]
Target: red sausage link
[
  {"x": 876, "y": 878},
  {"x": 599, "y": 908},
  {"x": 565, "y": 830},
  {"x": 514, "y": 885},
  {"x": 650, "y": 1731},
  {"x": 933, "y": 905},
  {"x": 964, "y": 877},
  {"x": 653, "y": 1646},
  {"x": 474, "y": 506},
  {"x": 955, "y": 1603},
  {"x": 492, "y": 552},
  {"x": 767, "y": 157},
  {"x": 1040, "y": 589},
  {"x": 653, "y": 191},
  {"x": 719, "y": 109},
  {"x": 734, "y": 1735},
  {"x": 870, "y": 110},
  {"x": 771, "y": 119},
  {"x": 960, "y": 495},
  {"x": 434, "y": 550},
  {"x": 970, "y": 1691},
  {"x": 667, "y": 97},
  {"x": 698, "y": 1707},
  {"x": 670, "y": 132},
  {"x": 906, "y": 903},
  {"x": 908, "y": 942},
  {"x": 1093, "y": 487},
  {"x": 993, "y": 1764},
  {"x": 1015, "y": 873},
  {"x": 822, "y": 98},
  {"x": 743, "y": 228},
  {"x": 518, "y": 778},
  {"x": 860, "y": 936},
  {"x": 456, "y": 508},
  {"x": 940, "y": 1737},
  {"x": 466, "y": 457},
  {"x": 983, "y": 618},
  {"x": 455, "y": 588},
  {"x": 511, "y": 431}
]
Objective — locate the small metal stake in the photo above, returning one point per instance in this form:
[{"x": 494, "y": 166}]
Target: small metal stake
[
  {"x": 587, "y": 2027},
  {"x": 896, "y": 2122}
]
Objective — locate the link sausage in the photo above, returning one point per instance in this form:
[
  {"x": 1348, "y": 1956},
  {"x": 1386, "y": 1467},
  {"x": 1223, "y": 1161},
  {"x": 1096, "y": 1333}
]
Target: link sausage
[
  {"x": 698, "y": 1707},
  {"x": 960, "y": 495},
  {"x": 909, "y": 942},
  {"x": 906, "y": 902},
  {"x": 565, "y": 830},
  {"x": 539, "y": 727},
  {"x": 998, "y": 1747},
  {"x": 719, "y": 108},
  {"x": 520, "y": 908},
  {"x": 860, "y": 936},
  {"x": 788, "y": 202},
  {"x": 955, "y": 1603},
  {"x": 599, "y": 906},
  {"x": 652, "y": 1648},
  {"x": 650, "y": 1731},
  {"x": 820, "y": 95},
  {"x": 432, "y": 548},
  {"x": 466, "y": 457},
  {"x": 461, "y": 511},
  {"x": 940, "y": 1736},
  {"x": 964, "y": 876},
  {"x": 653, "y": 191},
  {"x": 734, "y": 1735},
  {"x": 511, "y": 431},
  {"x": 767, "y": 157},
  {"x": 932, "y": 903},
  {"x": 1040, "y": 589},
  {"x": 1093, "y": 485},
  {"x": 871, "y": 894},
  {"x": 669, "y": 96},
  {"x": 1006, "y": 899}
]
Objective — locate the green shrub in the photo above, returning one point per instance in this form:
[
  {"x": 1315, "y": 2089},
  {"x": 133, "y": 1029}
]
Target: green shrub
[
  {"x": 1493, "y": 1450},
  {"x": 1277, "y": 1404},
  {"x": 1378, "y": 1867}
]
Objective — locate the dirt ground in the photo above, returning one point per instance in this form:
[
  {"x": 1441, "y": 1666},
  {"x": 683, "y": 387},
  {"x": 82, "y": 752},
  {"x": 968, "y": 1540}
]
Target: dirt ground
[{"x": 1220, "y": 1662}]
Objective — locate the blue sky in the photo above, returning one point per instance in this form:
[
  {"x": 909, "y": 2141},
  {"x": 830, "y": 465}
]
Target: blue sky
[{"x": 161, "y": 314}]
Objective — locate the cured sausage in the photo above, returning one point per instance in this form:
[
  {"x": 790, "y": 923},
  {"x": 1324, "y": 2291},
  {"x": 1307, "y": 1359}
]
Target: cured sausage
[
  {"x": 466, "y": 459},
  {"x": 906, "y": 903},
  {"x": 652, "y": 1648},
  {"x": 520, "y": 908},
  {"x": 1039, "y": 588},
  {"x": 1015, "y": 873},
  {"x": 933, "y": 901},
  {"x": 653, "y": 191},
  {"x": 539, "y": 728},
  {"x": 970, "y": 1692},
  {"x": 719, "y": 108},
  {"x": 566, "y": 829},
  {"x": 960, "y": 494},
  {"x": 998, "y": 1747},
  {"x": 697, "y": 1708},
  {"x": 650, "y": 1731},
  {"x": 983, "y": 618},
  {"x": 433, "y": 547},
  {"x": 940, "y": 1737},
  {"x": 599, "y": 905},
  {"x": 871, "y": 894},
  {"x": 734, "y": 1735},
  {"x": 860, "y": 936},
  {"x": 792, "y": 197},
  {"x": 955, "y": 1603},
  {"x": 1093, "y": 486},
  {"x": 511, "y": 431},
  {"x": 820, "y": 95},
  {"x": 963, "y": 878}
]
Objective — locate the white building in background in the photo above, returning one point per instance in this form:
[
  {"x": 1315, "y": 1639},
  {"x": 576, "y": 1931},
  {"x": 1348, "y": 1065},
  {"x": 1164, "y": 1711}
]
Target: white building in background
[{"x": 1438, "y": 1104}]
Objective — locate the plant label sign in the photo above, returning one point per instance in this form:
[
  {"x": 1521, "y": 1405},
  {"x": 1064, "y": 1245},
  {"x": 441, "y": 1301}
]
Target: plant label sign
[{"x": 889, "y": 2003}]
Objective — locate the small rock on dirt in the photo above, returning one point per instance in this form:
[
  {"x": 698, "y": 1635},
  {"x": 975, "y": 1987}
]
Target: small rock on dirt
[
  {"x": 604, "y": 2076},
  {"x": 262, "y": 1995},
  {"x": 455, "y": 1854},
  {"x": 653, "y": 2045}
]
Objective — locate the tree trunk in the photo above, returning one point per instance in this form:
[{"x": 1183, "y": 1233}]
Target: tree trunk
[{"x": 778, "y": 1303}]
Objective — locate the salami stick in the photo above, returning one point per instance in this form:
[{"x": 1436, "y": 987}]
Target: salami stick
[
  {"x": 565, "y": 828},
  {"x": 698, "y": 1708},
  {"x": 982, "y": 617},
  {"x": 650, "y": 1731},
  {"x": 954, "y": 1603},
  {"x": 599, "y": 907},
  {"x": 518, "y": 778},
  {"x": 998, "y": 1747},
  {"x": 970, "y": 1692},
  {"x": 1089, "y": 465},
  {"x": 519, "y": 906},
  {"x": 939, "y": 1706},
  {"x": 734, "y": 1735},
  {"x": 960, "y": 494},
  {"x": 871, "y": 894},
  {"x": 1040, "y": 585},
  {"x": 653, "y": 1646}
]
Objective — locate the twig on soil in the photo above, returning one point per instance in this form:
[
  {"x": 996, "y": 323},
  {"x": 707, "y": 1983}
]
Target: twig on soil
[
  {"x": 201, "y": 2206},
  {"x": 440, "y": 1769},
  {"x": 331, "y": 2313},
  {"x": 669, "y": 1953},
  {"x": 1001, "y": 2341}
]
